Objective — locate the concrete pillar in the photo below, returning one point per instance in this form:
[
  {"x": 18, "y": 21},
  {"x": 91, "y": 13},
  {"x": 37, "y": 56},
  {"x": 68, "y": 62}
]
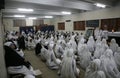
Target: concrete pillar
[{"x": 3, "y": 73}]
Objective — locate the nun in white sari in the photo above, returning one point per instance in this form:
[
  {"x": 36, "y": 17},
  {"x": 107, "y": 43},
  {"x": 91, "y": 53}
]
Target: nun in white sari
[
  {"x": 104, "y": 46},
  {"x": 43, "y": 53},
  {"x": 74, "y": 45},
  {"x": 91, "y": 44},
  {"x": 59, "y": 49},
  {"x": 113, "y": 45},
  {"x": 117, "y": 58},
  {"x": 108, "y": 65},
  {"x": 80, "y": 45},
  {"x": 96, "y": 33},
  {"x": 98, "y": 52},
  {"x": 67, "y": 48},
  {"x": 62, "y": 40},
  {"x": 93, "y": 70},
  {"x": 68, "y": 66},
  {"x": 51, "y": 61},
  {"x": 98, "y": 41},
  {"x": 85, "y": 57}
]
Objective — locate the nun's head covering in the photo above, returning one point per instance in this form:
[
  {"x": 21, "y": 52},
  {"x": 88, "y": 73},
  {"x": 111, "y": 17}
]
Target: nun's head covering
[
  {"x": 98, "y": 39},
  {"x": 97, "y": 64},
  {"x": 73, "y": 37},
  {"x": 104, "y": 41},
  {"x": 52, "y": 38},
  {"x": 8, "y": 43},
  {"x": 104, "y": 44},
  {"x": 113, "y": 45},
  {"x": 91, "y": 38},
  {"x": 82, "y": 40},
  {"x": 109, "y": 53},
  {"x": 113, "y": 41},
  {"x": 91, "y": 41},
  {"x": 51, "y": 44}
]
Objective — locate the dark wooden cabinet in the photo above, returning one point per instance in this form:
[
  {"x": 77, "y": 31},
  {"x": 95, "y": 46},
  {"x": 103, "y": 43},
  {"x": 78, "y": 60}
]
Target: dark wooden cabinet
[
  {"x": 79, "y": 25},
  {"x": 61, "y": 26}
]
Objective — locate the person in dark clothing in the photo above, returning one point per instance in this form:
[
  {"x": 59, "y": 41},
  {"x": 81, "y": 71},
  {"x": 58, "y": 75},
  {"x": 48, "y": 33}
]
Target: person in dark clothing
[
  {"x": 12, "y": 58},
  {"x": 38, "y": 48},
  {"x": 21, "y": 42},
  {"x": 15, "y": 63}
]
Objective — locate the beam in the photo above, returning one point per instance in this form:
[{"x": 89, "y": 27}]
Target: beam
[
  {"x": 36, "y": 12},
  {"x": 61, "y": 3}
]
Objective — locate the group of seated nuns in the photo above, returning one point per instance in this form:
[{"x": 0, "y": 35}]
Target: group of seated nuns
[
  {"x": 16, "y": 64},
  {"x": 65, "y": 51}
]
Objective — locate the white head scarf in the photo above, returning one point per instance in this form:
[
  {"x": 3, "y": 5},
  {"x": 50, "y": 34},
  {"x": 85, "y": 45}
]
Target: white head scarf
[
  {"x": 91, "y": 44},
  {"x": 113, "y": 45},
  {"x": 80, "y": 44},
  {"x": 109, "y": 66},
  {"x": 68, "y": 69},
  {"x": 117, "y": 57},
  {"x": 8, "y": 43},
  {"x": 104, "y": 46},
  {"x": 85, "y": 56},
  {"x": 98, "y": 40},
  {"x": 97, "y": 63},
  {"x": 51, "y": 44},
  {"x": 93, "y": 70},
  {"x": 97, "y": 52}
]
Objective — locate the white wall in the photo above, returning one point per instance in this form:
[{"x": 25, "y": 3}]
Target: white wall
[
  {"x": 98, "y": 14},
  {"x": 48, "y": 21},
  {"x": 29, "y": 22},
  {"x": 8, "y": 23},
  {"x": 3, "y": 73}
]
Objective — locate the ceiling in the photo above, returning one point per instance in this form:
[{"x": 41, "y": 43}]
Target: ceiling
[{"x": 52, "y": 7}]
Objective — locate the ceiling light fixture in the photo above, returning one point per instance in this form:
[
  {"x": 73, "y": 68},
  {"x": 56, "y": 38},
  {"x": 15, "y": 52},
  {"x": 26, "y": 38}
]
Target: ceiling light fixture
[
  {"x": 48, "y": 16},
  {"x": 24, "y": 9},
  {"x": 100, "y": 5},
  {"x": 19, "y": 15},
  {"x": 32, "y": 18},
  {"x": 66, "y": 13}
]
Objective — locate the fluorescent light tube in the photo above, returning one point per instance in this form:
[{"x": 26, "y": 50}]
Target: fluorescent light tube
[
  {"x": 100, "y": 5},
  {"x": 32, "y": 18},
  {"x": 65, "y": 12},
  {"x": 48, "y": 16},
  {"x": 24, "y": 9},
  {"x": 19, "y": 15}
]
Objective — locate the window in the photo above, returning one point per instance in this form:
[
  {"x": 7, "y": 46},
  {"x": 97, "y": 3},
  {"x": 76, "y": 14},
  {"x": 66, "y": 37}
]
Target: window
[
  {"x": 61, "y": 26},
  {"x": 108, "y": 24},
  {"x": 79, "y": 25}
]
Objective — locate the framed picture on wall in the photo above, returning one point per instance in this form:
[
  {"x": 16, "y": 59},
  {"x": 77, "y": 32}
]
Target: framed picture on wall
[{"x": 92, "y": 23}]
